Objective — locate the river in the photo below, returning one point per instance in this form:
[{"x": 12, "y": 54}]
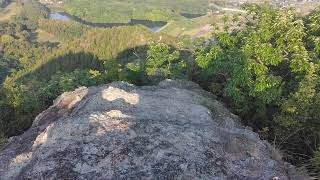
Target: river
[{"x": 154, "y": 26}]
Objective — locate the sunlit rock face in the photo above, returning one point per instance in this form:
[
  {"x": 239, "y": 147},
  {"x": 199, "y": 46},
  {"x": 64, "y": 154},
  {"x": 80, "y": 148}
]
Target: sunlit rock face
[{"x": 174, "y": 130}]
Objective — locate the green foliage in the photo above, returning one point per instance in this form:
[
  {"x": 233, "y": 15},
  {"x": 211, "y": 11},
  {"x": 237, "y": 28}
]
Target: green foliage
[
  {"x": 36, "y": 74},
  {"x": 15, "y": 42},
  {"x": 136, "y": 72},
  {"x": 8, "y": 65},
  {"x": 269, "y": 69},
  {"x": 163, "y": 63},
  {"x": 64, "y": 31},
  {"x": 63, "y": 82},
  {"x": 33, "y": 10}
]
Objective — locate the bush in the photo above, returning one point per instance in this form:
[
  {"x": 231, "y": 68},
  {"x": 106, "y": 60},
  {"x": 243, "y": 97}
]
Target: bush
[{"x": 269, "y": 69}]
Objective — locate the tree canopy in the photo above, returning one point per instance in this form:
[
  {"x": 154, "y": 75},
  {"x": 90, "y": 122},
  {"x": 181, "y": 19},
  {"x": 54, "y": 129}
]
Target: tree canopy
[{"x": 269, "y": 69}]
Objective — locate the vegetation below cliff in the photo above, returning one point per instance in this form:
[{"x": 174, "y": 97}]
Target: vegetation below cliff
[{"x": 264, "y": 66}]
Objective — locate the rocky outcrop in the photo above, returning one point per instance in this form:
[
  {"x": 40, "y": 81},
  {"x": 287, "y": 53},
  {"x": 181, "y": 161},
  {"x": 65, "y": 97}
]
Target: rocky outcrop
[{"x": 174, "y": 130}]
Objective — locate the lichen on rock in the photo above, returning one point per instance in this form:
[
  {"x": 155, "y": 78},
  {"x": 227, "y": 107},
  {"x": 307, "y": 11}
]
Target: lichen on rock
[{"x": 174, "y": 130}]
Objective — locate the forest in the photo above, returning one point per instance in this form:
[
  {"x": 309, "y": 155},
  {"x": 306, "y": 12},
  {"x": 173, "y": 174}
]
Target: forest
[{"x": 263, "y": 65}]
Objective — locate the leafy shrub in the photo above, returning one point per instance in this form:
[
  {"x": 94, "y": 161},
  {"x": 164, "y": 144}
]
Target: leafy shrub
[{"x": 269, "y": 70}]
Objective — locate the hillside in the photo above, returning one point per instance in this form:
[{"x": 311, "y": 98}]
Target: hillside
[{"x": 262, "y": 63}]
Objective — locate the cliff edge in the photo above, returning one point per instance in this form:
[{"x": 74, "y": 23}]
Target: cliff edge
[{"x": 174, "y": 130}]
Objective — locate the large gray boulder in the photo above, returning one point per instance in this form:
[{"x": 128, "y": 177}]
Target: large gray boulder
[{"x": 174, "y": 130}]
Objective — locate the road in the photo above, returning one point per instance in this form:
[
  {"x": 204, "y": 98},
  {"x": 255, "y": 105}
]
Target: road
[{"x": 212, "y": 4}]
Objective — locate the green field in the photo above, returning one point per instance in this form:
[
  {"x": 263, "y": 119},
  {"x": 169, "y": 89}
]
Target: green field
[
  {"x": 196, "y": 27},
  {"x": 114, "y": 11},
  {"x": 102, "y": 11}
]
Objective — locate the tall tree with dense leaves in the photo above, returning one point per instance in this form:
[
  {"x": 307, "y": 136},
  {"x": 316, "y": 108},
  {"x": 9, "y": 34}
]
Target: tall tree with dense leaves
[{"x": 270, "y": 74}]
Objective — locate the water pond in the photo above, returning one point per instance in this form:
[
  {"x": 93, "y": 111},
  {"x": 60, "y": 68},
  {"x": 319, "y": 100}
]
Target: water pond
[{"x": 154, "y": 26}]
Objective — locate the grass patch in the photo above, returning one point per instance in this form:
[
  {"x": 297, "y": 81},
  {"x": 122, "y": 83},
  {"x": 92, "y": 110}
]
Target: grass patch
[{"x": 197, "y": 27}]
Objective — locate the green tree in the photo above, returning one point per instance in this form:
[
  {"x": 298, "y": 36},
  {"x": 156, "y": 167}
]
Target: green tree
[
  {"x": 163, "y": 62},
  {"x": 269, "y": 70}
]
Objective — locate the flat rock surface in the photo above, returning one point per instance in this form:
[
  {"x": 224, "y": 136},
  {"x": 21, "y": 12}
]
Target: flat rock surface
[{"x": 174, "y": 130}]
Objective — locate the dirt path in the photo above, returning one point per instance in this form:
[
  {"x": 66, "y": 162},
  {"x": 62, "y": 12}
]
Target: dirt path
[{"x": 212, "y": 4}]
